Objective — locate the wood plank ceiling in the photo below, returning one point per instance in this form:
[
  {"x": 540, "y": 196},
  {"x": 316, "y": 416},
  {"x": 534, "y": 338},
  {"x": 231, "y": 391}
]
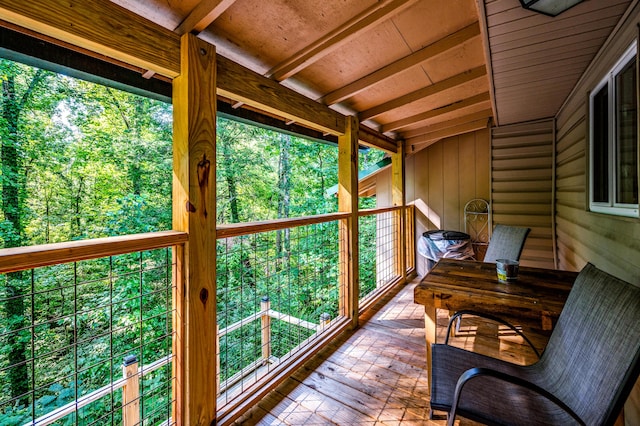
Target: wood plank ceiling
[
  {"x": 536, "y": 60},
  {"x": 413, "y": 69}
]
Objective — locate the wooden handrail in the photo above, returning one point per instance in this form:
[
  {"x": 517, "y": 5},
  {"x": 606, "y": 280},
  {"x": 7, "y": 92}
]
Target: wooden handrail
[
  {"x": 379, "y": 210},
  {"x": 21, "y": 258},
  {"x": 239, "y": 229}
]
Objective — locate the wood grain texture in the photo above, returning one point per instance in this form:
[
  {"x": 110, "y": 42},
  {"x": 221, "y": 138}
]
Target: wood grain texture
[
  {"x": 420, "y": 142},
  {"x": 369, "y": 137},
  {"x": 348, "y": 203},
  {"x": 247, "y": 228},
  {"x": 203, "y": 15},
  {"x": 456, "y": 285},
  {"x": 478, "y": 73},
  {"x": 21, "y": 258},
  {"x": 194, "y": 211},
  {"x": 398, "y": 199},
  {"x": 449, "y": 42},
  {"x": 338, "y": 37},
  {"x": 101, "y": 27},
  {"x": 359, "y": 381},
  {"x": 241, "y": 84},
  {"x": 481, "y": 99}
]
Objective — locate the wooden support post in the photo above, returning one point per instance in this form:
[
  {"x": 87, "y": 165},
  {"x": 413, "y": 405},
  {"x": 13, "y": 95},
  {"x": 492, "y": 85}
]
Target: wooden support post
[
  {"x": 265, "y": 323},
  {"x": 194, "y": 211},
  {"x": 325, "y": 320},
  {"x": 348, "y": 202},
  {"x": 130, "y": 392},
  {"x": 398, "y": 199}
]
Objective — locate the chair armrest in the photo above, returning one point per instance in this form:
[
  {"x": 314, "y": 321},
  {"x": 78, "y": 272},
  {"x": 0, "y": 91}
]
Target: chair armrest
[
  {"x": 492, "y": 318},
  {"x": 478, "y": 372}
]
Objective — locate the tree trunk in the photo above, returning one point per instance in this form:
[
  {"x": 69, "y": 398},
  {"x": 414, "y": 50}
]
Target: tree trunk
[
  {"x": 12, "y": 205},
  {"x": 283, "y": 244}
]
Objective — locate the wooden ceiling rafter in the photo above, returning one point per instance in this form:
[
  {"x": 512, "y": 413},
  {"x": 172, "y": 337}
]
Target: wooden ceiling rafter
[
  {"x": 416, "y": 144},
  {"x": 435, "y": 89},
  {"x": 371, "y": 138},
  {"x": 203, "y": 15},
  {"x": 418, "y": 118},
  {"x": 244, "y": 85},
  {"x": 459, "y": 121},
  {"x": 428, "y": 52},
  {"x": 337, "y": 38}
]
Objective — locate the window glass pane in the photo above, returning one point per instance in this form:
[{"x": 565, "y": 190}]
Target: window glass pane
[
  {"x": 601, "y": 146},
  {"x": 627, "y": 132}
]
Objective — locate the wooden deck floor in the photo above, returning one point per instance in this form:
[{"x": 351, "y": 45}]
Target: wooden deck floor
[{"x": 377, "y": 375}]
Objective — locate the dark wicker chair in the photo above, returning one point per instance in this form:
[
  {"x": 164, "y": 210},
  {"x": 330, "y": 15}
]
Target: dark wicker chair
[
  {"x": 584, "y": 376},
  {"x": 506, "y": 243}
]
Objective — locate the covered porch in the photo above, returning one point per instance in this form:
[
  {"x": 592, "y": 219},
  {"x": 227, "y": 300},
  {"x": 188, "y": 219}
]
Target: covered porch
[{"x": 469, "y": 99}]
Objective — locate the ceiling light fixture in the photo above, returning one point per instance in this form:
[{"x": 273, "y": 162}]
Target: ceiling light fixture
[{"x": 549, "y": 7}]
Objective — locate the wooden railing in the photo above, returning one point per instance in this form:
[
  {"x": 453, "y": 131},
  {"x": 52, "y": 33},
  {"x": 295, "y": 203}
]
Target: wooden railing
[
  {"x": 28, "y": 258},
  {"x": 247, "y": 228},
  {"x": 22, "y": 258},
  {"x": 13, "y": 260},
  {"x": 380, "y": 242}
]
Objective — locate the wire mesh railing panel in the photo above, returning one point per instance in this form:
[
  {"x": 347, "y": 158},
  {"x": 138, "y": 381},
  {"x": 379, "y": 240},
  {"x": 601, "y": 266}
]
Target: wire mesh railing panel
[
  {"x": 378, "y": 247},
  {"x": 276, "y": 290},
  {"x": 66, "y": 331}
]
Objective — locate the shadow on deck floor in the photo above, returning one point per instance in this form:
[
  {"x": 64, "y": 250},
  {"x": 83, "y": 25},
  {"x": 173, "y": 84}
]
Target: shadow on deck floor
[{"x": 377, "y": 374}]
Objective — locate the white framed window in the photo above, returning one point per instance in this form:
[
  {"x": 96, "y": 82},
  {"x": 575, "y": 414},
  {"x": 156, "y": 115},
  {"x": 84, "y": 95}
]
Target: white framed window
[{"x": 613, "y": 140}]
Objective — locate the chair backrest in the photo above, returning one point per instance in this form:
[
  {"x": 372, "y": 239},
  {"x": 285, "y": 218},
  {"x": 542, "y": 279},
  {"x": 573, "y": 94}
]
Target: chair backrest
[
  {"x": 506, "y": 243},
  {"x": 592, "y": 359}
]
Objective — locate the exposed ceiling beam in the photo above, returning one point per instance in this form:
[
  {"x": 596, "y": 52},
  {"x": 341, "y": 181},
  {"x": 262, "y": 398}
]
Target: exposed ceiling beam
[
  {"x": 482, "y": 13},
  {"x": 337, "y": 38},
  {"x": 480, "y": 115},
  {"x": 101, "y": 27},
  {"x": 434, "y": 89},
  {"x": 421, "y": 142},
  {"x": 203, "y": 15},
  {"x": 241, "y": 84},
  {"x": 403, "y": 64},
  {"x": 474, "y": 100},
  {"x": 369, "y": 137}
]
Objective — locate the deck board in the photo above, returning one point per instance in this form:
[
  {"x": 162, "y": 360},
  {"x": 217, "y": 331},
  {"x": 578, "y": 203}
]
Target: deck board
[{"x": 377, "y": 375}]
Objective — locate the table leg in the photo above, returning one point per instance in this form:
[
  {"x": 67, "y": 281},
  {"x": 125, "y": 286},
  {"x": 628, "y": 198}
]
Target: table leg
[{"x": 430, "y": 335}]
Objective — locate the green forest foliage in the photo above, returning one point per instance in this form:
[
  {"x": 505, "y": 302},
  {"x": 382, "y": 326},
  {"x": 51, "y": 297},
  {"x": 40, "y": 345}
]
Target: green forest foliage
[{"x": 81, "y": 161}]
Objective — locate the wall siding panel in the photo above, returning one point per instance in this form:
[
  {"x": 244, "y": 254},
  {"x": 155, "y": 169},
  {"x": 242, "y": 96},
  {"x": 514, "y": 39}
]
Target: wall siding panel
[
  {"x": 521, "y": 174},
  {"x": 442, "y": 178},
  {"x": 610, "y": 242},
  {"x": 577, "y": 228}
]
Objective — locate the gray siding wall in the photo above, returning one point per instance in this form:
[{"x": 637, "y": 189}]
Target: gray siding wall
[
  {"x": 610, "y": 242},
  {"x": 522, "y": 184}
]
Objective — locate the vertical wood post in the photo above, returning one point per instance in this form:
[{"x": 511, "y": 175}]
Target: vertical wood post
[
  {"x": 398, "y": 199},
  {"x": 265, "y": 323},
  {"x": 194, "y": 211},
  {"x": 325, "y": 320},
  {"x": 348, "y": 202},
  {"x": 130, "y": 392}
]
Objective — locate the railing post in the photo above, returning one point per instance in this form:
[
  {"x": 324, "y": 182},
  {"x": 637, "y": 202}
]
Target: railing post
[
  {"x": 265, "y": 322},
  {"x": 348, "y": 202},
  {"x": 194, "y": 212},
  {"x": 325, "y": 319},
  {"x": 130, "y": 392},
  {"x": 399, "y": 199}
]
